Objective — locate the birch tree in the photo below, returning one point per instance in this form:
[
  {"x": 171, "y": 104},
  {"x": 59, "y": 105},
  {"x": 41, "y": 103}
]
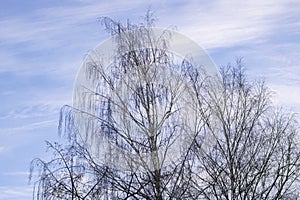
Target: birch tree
[{"x": 155, "y": 125}]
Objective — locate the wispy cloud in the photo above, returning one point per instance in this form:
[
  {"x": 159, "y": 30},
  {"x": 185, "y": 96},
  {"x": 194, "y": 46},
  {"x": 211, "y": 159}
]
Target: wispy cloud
[
  {"x": 15, "y": 193},
  {"x": 215, "y": 24},
  {"x": 28, "y": 127},
  {"x": 228, "y": 23},
  {"x": 48, "y": 24},
  {"x": 287, "y": 95},
  {"x": 17, "y": 173}
]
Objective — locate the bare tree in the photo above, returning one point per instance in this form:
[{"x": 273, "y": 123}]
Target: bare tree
[
  {"x": 154, "y": 126},
  {"x": 256, "y": 154},
  {"x": 71, "y": 174}
]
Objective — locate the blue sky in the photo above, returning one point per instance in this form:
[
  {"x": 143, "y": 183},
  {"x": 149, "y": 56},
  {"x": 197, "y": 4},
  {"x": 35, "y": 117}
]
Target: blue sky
[{"x": 43, "y": 42}]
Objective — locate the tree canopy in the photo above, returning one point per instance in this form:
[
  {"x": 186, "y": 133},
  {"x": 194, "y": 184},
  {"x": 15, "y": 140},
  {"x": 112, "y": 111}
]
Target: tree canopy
[{"x": 158, "y": 127}]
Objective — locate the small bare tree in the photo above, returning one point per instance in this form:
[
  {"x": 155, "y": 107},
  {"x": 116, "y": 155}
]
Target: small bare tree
[
  {"x": 71, "y": 174},
  {"x": 152, "y": 125}
]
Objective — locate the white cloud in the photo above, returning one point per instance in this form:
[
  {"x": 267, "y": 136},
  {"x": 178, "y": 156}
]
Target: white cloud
[
  {"x": 228, "y": 23},
  {"x": 287, "y": 96},
  {"x": 16, "y": 193},
  {"x": 17, "y": 173},
  {"x": 29, "y": 127},
  {"x": 28, "y": 112},
  {"x": 214, "y": 24},
  {"x": 46, "y": 24}
]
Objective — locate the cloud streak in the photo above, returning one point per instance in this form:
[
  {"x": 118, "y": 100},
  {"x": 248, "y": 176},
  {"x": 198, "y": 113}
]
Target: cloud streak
[
  {"x": 28, "y": 127},
  {"x": 228, "y": 23},
  {"x": 15, "y": 193}
]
